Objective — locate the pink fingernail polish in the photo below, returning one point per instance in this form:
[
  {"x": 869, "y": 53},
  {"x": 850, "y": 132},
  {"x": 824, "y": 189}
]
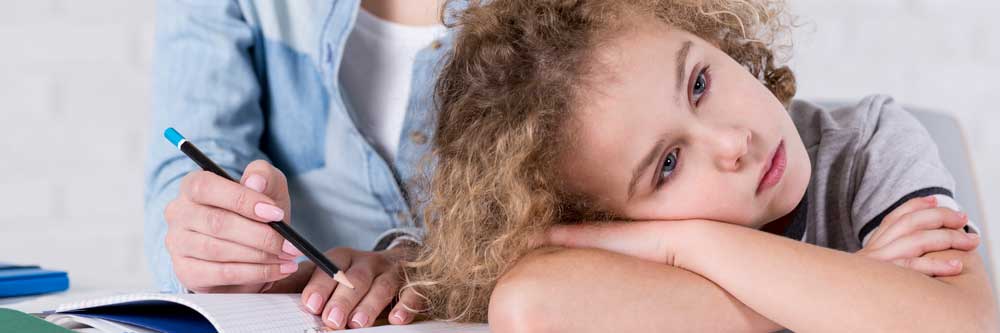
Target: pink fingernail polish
[
  {"x": 268, "y": 212},
  {"x": 400, "y": 316},
  {"x": 288, "y": 267},
  {"x": 336, "y": 317},
  {"x": 314, "y": 302},
  {"x": 360, "y": 320},
  {"x": 931, "y": 199},
  {"x": 256, "y": 183},
  {"x": 290, "y": 249}
]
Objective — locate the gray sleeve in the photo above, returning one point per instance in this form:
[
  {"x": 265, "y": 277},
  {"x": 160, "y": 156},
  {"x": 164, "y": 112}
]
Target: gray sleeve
[
  {"x": 397, "y": 236},
  {"x": 895, "y": 160}
]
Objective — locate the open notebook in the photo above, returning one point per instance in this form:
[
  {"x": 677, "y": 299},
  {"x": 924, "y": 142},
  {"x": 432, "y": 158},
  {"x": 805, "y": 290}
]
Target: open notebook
[{"x": 224, "y": 313}]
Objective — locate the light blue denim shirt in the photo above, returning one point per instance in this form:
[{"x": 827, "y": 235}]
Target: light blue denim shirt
[{"x": 247, "y": 80}]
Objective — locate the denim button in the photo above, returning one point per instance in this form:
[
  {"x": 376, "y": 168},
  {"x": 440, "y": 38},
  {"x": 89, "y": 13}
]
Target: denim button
[{"x": 418, "y": 137}]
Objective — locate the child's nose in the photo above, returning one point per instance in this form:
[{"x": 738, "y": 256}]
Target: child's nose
[{"x": 731, "y": 147}]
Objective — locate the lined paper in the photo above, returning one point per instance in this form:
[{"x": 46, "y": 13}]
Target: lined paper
[{"x": 239, "y": 313}]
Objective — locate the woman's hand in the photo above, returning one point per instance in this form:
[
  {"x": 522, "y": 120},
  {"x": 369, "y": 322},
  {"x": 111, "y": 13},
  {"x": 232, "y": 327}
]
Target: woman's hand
[
  {"x": 919, "y": 227},
  {"x": 217, "y": 234},
  {"x": 377, "y": 278}
]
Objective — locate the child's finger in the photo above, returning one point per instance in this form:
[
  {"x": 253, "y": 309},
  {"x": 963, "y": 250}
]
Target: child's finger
[
  {"x": 925, "y": 241},
  {"x": 909, "y": 206},
  {"x": 925, "y": 219},
  {"x": 931, "y": 267}
]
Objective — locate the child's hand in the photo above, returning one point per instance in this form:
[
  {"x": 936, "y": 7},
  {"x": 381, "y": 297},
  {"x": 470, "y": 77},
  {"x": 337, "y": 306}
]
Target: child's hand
[{"x": 919, "y": 227}]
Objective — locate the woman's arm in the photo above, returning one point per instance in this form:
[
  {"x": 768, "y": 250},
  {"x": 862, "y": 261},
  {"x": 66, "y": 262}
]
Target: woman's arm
[
  {"x": 588, "y": 290},
  {"x": 805, "y": 287}
]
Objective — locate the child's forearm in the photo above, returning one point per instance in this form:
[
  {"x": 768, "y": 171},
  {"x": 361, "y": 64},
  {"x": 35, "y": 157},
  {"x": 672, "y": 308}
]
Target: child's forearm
[
  {"x": 585, "y": 290},
  {"x": 809, "y": 288}
]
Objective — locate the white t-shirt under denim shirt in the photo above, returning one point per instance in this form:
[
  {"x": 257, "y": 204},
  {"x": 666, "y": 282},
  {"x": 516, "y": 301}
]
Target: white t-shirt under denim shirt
[
  {"x": 867, "y": 160},
  {"x": 376, "y": 73}
]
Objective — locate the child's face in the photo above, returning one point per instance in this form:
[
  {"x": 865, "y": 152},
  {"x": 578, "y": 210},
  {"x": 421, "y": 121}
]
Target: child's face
[{"x": 673, "y": 128}]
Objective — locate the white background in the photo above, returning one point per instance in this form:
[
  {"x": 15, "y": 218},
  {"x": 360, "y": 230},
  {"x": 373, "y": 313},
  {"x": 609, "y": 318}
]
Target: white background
[{"x": 75, "y": 99}]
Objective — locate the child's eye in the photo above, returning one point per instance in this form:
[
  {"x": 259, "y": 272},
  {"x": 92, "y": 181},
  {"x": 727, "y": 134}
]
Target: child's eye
[
  {"x": 700, "y": 86},
  {"x": 668, "y": 167}
]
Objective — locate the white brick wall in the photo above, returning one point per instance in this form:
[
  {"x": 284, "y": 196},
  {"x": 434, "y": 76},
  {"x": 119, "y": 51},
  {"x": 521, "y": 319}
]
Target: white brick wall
[
  {"x": 73, "y": 69},
  {"x": 74, "y": 95}
]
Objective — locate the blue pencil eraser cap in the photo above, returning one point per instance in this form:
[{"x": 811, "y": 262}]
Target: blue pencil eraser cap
[{"x": 174, "y": 137}]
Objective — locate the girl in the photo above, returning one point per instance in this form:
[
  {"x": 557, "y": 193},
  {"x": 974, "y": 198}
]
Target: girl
[{"x": 743, "y": 210}]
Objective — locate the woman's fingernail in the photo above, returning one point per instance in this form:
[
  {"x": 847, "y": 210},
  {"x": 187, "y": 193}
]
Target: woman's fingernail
[
  {"x": 961, "y": 215},
  {"x": 336, "y": 317},
  {"x": 256, "y": 183},
  {"x": 972, "y": 235},
  {"x": 314, "y": 302},
  {"x": 289, "y": 267},
  {"x": 290, "y": 249},
  {"x": 954, "y": 263},
  {"x": 360, "y": 320},
  {"x": 268, "y": 212},
  {"x": 931, "y": 199},
  {"x": 400, "y": 316}
]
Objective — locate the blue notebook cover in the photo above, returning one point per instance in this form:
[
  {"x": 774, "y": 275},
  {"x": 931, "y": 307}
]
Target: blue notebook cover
[
  {"x": 30, "y": 280},
  {"x": 159, "y": 316}
]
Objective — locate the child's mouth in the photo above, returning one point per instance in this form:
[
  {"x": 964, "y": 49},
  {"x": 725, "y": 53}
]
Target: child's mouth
[{"x": 774, "y": 169}]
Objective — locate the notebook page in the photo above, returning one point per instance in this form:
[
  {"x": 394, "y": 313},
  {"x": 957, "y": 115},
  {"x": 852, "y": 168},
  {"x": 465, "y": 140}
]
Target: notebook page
[
  {"x": 237, "y": 313},
  {"x": 230, "y": 313},
  {"x": 427, "y": 327}
]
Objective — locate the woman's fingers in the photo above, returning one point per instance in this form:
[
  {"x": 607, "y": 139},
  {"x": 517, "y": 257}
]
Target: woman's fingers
[
  {"x": 410, "y": 303},
  {"x": 264, "y": 178},
  {"x": 382, "y": 290},
  {"x": 187, "y": 243},
  {"x": 921, "y": 242},
  {"x": 924, "y": 219},
  {"x": 376, "y": 279},
  {"x": 931, "y": 267},
  {"x": 345, "y": 299},
  {"x": 196, "y": 273},
  {"x": 317, "y": 290},
  {"x": 223, "y": 224},
  {"x": 909, "y": 206},
  {"x": 206, "y": 188},
  {"x": 321, "y": 285}
]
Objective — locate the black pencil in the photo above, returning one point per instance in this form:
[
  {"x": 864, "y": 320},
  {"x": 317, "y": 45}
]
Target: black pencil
[{"x": 282, "y": 228}]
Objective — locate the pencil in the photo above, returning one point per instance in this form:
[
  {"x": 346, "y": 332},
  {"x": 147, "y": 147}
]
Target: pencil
[{"x": 281, "y": 227}]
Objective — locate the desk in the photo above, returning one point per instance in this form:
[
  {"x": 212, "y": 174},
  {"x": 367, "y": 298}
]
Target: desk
[{"x": 48, "y": 302}]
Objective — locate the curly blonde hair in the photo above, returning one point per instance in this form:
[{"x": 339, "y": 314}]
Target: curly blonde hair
[{"x": 504, "y": 96}]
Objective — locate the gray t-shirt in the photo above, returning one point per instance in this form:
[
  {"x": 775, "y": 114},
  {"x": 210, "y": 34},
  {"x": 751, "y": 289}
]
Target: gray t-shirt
[{"x": 867, "y": 159}]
